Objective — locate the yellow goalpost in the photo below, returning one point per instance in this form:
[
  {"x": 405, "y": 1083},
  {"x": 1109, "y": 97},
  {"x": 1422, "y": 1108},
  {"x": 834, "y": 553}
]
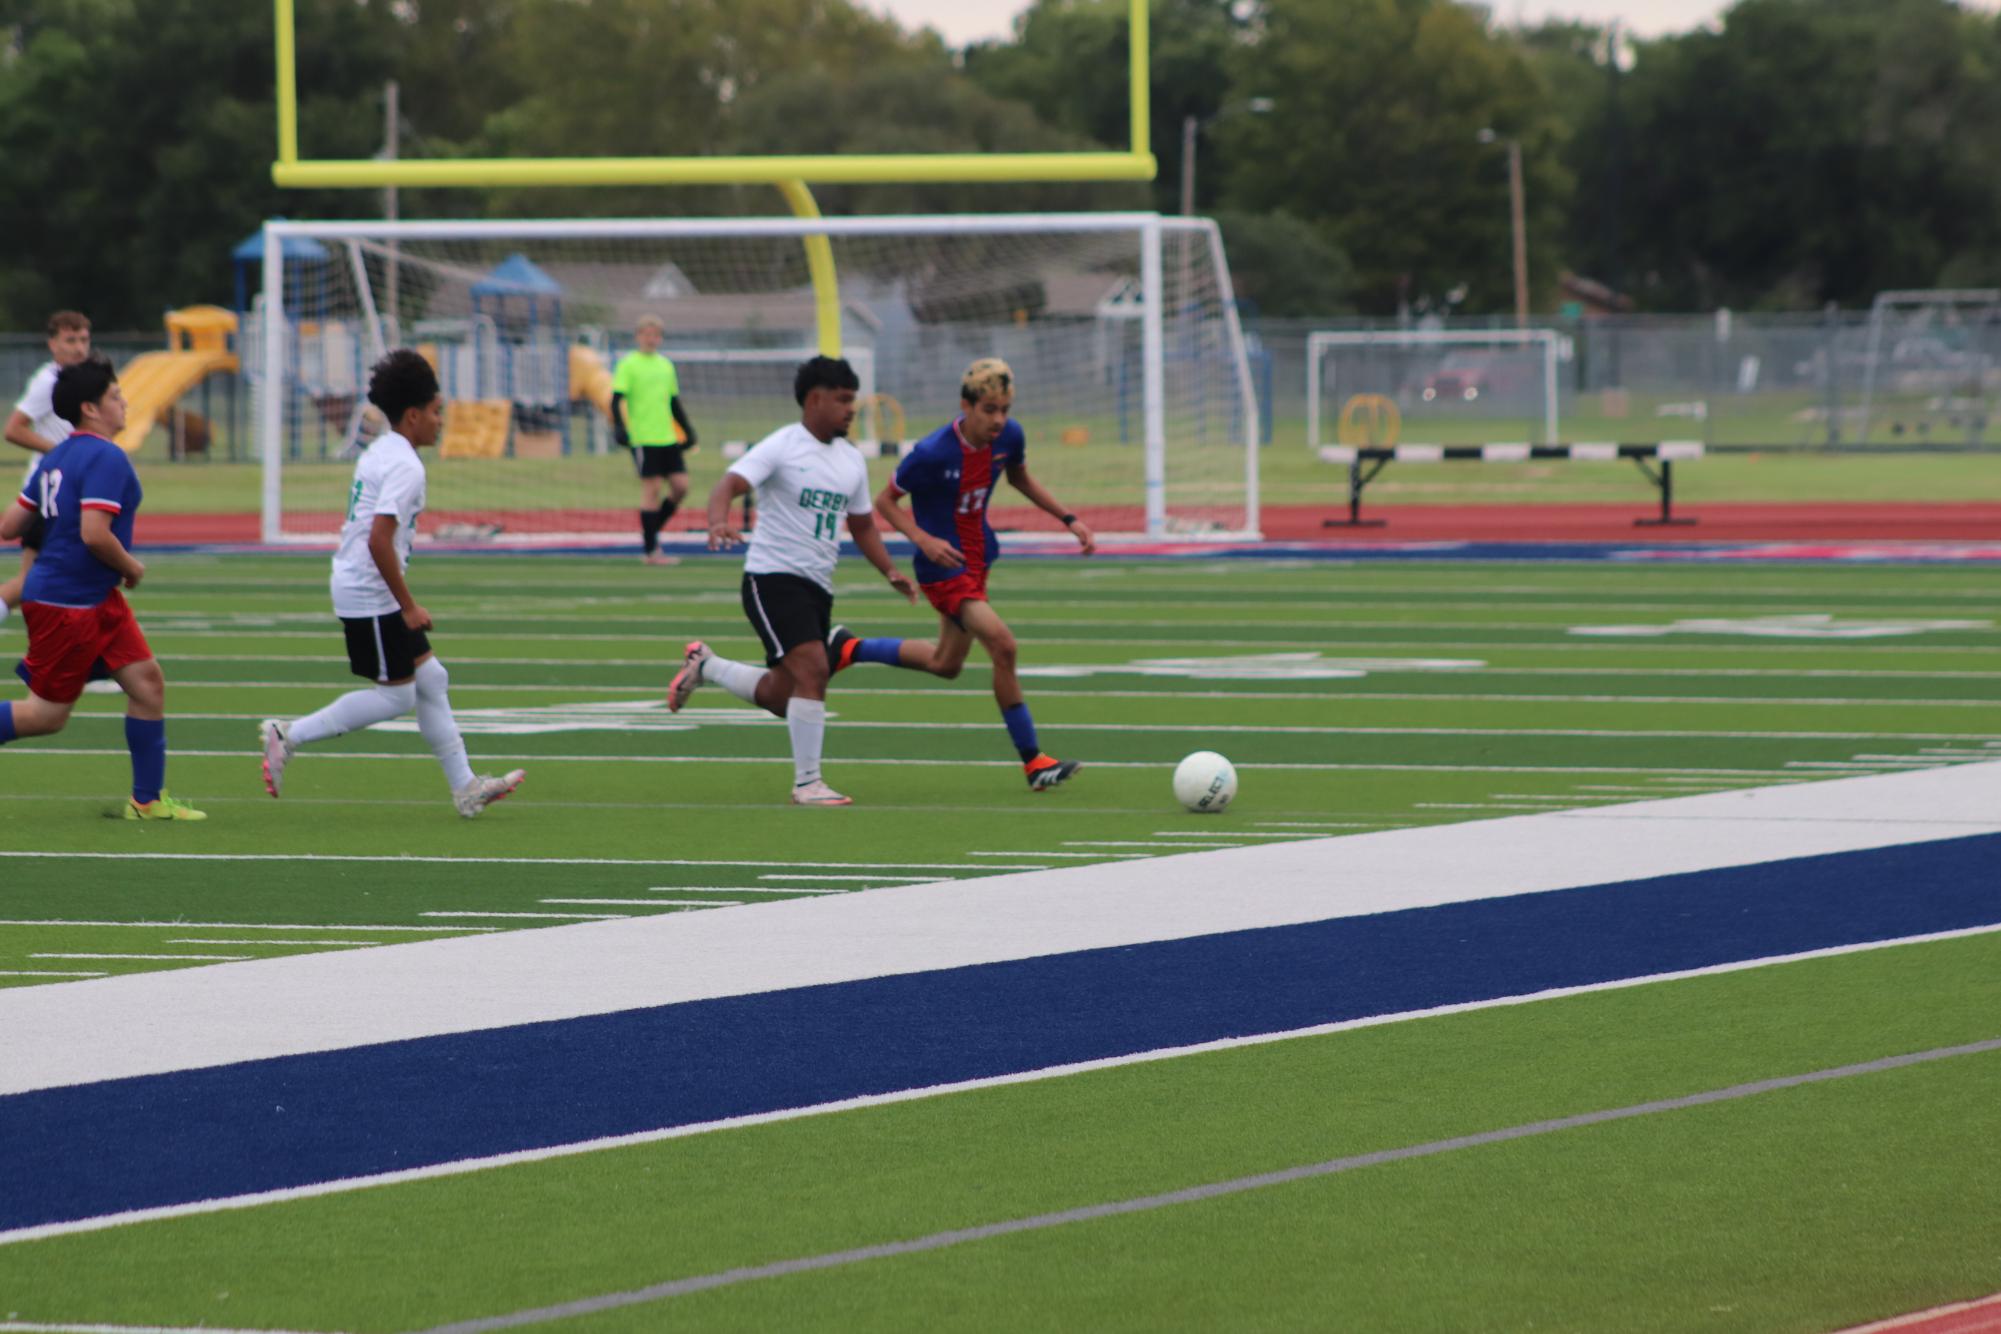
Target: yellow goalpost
[{"x": 792, "y": 175}]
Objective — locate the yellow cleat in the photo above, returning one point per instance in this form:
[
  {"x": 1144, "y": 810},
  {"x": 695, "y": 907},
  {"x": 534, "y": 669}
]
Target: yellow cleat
[{"x": 165, "y": 808}]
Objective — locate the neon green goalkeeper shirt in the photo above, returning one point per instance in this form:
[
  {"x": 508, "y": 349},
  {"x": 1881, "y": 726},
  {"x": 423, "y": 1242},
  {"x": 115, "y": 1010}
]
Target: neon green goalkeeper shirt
[{"x": 649, "y": 383}]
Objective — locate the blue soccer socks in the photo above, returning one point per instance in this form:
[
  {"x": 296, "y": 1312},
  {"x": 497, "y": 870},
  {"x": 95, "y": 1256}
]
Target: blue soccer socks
[{"x": 146, "y": 738}]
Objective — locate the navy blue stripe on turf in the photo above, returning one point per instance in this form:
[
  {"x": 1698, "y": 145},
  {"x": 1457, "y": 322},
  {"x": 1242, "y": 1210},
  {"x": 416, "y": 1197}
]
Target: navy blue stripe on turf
[{"x": 91, "y": 1150}]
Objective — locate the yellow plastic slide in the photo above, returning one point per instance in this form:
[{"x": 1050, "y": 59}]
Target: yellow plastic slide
[{"x": 155, "y": 381}]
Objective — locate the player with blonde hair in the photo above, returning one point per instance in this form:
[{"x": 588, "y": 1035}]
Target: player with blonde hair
[{"x": 949, "y": 478}]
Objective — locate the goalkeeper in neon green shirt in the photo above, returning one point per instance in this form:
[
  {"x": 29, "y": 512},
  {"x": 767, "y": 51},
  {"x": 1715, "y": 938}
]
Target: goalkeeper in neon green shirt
[{"x": 647, "y": 417}]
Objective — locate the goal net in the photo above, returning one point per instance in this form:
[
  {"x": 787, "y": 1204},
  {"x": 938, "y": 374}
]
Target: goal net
[
  {"x": 1133, "y": 384},
  {"x": 1931, "y": 367},
  {"x": 1431, "y": 386}
]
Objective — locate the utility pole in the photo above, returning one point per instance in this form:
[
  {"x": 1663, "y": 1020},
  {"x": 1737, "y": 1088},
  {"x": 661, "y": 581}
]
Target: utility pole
[
  {"x": 391, "y": 133},
  {"x": 1517, "y": 216}
]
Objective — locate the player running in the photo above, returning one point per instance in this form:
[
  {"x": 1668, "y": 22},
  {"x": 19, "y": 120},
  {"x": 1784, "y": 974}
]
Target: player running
[
  {"x": 806, "y": 476},
  {"x": 384, "y": 624},
  {"x": 34, "y": 426},
  {"x": 79, "y": 624},
  {"x": 949, "y": 477}
]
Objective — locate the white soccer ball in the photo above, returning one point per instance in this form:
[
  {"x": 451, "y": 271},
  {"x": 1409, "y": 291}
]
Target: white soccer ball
[{"x": 1205, "y": 782}]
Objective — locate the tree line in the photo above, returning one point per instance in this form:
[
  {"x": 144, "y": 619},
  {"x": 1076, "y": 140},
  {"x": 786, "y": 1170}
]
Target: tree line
[{"x": 1799, "y": 153}]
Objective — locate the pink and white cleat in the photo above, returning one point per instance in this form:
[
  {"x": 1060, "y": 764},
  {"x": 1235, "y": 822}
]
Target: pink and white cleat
[
  {"x": 483, "y": 791},
  {"x": 277, "y": 750},
  {"x": 690, "y": 675},
  {"x": 817, "y": 793}
]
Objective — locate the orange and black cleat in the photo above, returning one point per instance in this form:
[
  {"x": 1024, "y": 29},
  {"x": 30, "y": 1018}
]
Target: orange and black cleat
[
  {"x": 1046, "y": 771},
  {"x": 841, "y": 646}
]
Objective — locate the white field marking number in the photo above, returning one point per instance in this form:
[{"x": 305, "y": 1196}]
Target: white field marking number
[
  {"x": 1812, "y": 625},
  {"x": 1256, "y": 667}
]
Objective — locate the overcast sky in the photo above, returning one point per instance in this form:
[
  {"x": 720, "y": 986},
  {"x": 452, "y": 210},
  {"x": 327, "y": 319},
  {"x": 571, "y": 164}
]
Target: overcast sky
[{"x": 962, "y": 21}]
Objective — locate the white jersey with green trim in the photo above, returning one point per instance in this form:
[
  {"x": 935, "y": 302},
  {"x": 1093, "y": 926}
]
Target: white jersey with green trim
[
  {"x": 388, "y": 479},
  {"x": 804, "y": 488}
]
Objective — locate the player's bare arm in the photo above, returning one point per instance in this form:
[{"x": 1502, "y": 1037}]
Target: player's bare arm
[
  {"x": 1018, "y": 478},
  {"x": 104, "y": 544},
  {"x": 868, "y": 540},
  {"x": 722, "y": 535},
  {"x": 382, "y": 550},
  {"x": 15, "y": 521},
  {"x": 889, "y": 508},
  {"x": 21, "y": 431}
]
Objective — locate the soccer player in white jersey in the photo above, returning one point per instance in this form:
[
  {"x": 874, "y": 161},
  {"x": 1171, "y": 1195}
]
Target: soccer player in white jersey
[
  {"x": 806, "y": 476},
  {"x": 35, "y": 427},
  {"x": 385, "y": 625}
]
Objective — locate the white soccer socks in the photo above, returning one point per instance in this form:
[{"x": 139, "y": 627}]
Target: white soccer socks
[
  {"x": 435, "y": 721},
  {"x": 355, "y": 710},
  {"x": 739, "y": 678},
  {"x": 806, "y": 720}
]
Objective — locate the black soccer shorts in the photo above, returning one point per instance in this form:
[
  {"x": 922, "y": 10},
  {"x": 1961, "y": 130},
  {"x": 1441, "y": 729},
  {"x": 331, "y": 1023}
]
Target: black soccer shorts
[{"x": 786, "y": 611}]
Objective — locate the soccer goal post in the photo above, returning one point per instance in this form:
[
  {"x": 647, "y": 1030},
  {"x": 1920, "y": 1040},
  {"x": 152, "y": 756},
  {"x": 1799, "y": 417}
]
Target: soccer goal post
[
  {"x": 1434, "y": 386},
  {"x": 1931, "y": 368},
  {"x": 1133, "y": 382}
]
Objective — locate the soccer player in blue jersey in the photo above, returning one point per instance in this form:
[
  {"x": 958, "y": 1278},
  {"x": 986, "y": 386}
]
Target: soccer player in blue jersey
[
  {"x": 79, "y": 624},
  {"x": 949, "y": 477}
]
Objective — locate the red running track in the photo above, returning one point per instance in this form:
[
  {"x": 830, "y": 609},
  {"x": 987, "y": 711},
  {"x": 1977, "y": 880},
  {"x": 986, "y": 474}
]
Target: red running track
[
  {"x": 1981, "y": 1317},
  {"x": 1887, "y": 522}
]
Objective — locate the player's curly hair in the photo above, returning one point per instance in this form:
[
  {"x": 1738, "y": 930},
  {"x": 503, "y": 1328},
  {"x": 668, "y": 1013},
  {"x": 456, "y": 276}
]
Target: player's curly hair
[
  {"x": 86, "y": 382},
  {"x": 823, "y": 373},
  {"x": 401, "y": 381},
  {"x": 989, "y": 377}
]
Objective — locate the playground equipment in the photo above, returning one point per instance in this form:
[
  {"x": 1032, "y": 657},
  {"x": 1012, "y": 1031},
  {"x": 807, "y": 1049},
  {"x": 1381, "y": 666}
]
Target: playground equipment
[{"x": 198, "y": 345}]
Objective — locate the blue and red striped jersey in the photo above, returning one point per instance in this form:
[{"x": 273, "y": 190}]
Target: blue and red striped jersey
[{"x": 949, "y": 485}]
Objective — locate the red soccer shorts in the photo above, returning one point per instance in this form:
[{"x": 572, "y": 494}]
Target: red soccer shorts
[
  {"x": 66, "y": 643},
  {"x": 948, "y": 595}
]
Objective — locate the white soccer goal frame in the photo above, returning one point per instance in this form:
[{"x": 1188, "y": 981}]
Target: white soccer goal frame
[
  {"x": 1322, "y": 341},
  {"x": 1912, "y": 299},
  {"x": 1148, "y": 228}
]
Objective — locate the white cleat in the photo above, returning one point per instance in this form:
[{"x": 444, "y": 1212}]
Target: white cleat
[
  {"x": 817, "y": 793},
  {"x": 277, "y": 741},
  {"x": 690, "y": 675},
  {"x": 483, "y": 791}
]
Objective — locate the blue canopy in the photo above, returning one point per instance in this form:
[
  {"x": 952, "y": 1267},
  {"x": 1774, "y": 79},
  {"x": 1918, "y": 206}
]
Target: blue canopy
[
  {"x": 292, "y": 247},
  {"x": 517, "y": 276}
]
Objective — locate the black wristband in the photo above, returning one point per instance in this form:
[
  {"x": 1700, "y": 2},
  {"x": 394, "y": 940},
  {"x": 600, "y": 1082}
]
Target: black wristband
[{"x": 1069, "y": 519}]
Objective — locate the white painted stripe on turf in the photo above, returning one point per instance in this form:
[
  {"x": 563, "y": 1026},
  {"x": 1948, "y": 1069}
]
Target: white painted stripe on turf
[
  {"x": 1141, "y": 843},
  {"x": 744, "y": 889},
  {"x": 225, "y": 926},
  {"x": 150, "y": 1023},
  {"x": 920, "y": 761},
  {"x": 488, "y": 861},
  {"x": 570, "y": 722},
  {"x": 1087, "y": 856},
  {"x": 544, "y": 916},
  {"x": 935, "y": 1241},
  {"x": 464, "y": 1166},
  {"x": 647, "y": 903},
  {"x": 868, "y": 879},
  {"x": 205, "y": 958},
  {"x": 48, "y": 972},
  {"x": 314, "y": 943},
  {"x": 25, "y": 1327}
]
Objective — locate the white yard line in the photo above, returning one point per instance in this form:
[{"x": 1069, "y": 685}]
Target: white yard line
[
  {"x": 48, "y": 972},
  {"x": 774, "y": 761},
  {"x": 492, "y": 861},
  {"x": 209, "y": 958},
  {"x": 224, "y": 926},
  {"x": 645, "y": 903},
  {"x": 742, "y": 889},
  {"x": 866, "y": 879},
  {"x": 190, "y": 940},
  {"x": 544, "y": 916},
  {"x": 849, "y": 723}
]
